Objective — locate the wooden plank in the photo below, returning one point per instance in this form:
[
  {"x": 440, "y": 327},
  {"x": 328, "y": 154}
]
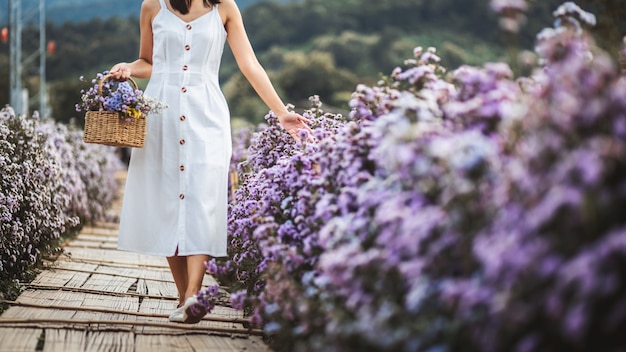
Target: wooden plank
[
  {"x": 96, "y": 238},
  {"x": 99, "y": 231},
  {"x": 144, "y": 273},
  {"x": 59, "y": 340},
  {"x": 153, "y": 260},
  {"x": 163, "y": 343},
  {"x": 18, "y": 340},
  {"x": 147, "y": 287},
  {"x": 117, "y": 206},
  {"x": 66, "y": 264},
  {"x": 125, "y": 326},
  {"x": 108, "y": 283},
  {"x": 156, "y": 288},
  {"x": 107, "y": 340},
  {"x": 209, "y": 343},
  {"x": 70, "y": 299},
  {"x": 80, "y": 243},
  {"x": 155, "y": 306},
  {"x": 101, "y": 263},
  {"x": 115, "y": 256},
  {"x": 64, "y": 278},
  {"x": 101, "y": 254},
  {"x": 66, "y": 299},
  {"x": 118, "y": 280},
  {"x": 33, "y": 313},
  {"x": 130, "y": 304},
  {"x": 110, "y": 341}
]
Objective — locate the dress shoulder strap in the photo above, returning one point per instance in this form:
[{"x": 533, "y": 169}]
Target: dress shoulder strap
[{"x": 162, "y": 3}]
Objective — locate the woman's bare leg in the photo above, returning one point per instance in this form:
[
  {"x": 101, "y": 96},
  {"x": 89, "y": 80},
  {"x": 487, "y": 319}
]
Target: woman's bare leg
[
  {"x": 178, "y": 267},
  {"x": 195, "y": 273}
]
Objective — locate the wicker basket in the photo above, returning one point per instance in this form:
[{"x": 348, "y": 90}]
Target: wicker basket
[{"x": 110, "y": 128}]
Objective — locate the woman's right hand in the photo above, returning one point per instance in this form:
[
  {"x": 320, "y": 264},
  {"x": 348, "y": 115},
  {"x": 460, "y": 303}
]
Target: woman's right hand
[{"x": 120, "y": 72}]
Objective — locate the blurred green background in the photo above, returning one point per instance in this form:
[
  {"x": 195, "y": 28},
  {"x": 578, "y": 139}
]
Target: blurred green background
[{"x": 322, "y": 47}]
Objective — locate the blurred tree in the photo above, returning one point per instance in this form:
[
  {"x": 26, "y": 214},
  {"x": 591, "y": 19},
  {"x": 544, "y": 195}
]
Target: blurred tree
[
  {"x": 64, "y": 95},
  {"x": 84, "y": 47},
  {"x": 365, "y": 38},
  {"x": 242, "y": 100},
  {"x": 4, "y": 80},
  {"x": 350, "y": 50},
  {"x": 314, "y": 74}
]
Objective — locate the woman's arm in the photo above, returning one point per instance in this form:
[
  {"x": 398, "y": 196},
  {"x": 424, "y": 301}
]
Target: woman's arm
[
  {"x": 142, "y": 67},
  {"x": 252, "y": 69}
]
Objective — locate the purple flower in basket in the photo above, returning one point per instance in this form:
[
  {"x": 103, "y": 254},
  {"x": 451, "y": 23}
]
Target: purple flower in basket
[{"x": 124, "y": 97}]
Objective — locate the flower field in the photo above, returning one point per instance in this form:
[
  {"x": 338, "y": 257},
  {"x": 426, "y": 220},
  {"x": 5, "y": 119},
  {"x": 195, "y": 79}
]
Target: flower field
[
  {"x": 469, "y": 210},
  {"x": 52, "y": 183}
]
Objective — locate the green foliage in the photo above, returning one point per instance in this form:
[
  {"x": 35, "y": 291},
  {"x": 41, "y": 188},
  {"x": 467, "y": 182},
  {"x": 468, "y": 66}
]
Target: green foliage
[
  {"x": 83, "y": 48},
  {"x": 306, "y": 75},
  {"x": 349, "y": 40},
  {"x": 242, "y": 100},
  {"x": 4, "y": 76}
]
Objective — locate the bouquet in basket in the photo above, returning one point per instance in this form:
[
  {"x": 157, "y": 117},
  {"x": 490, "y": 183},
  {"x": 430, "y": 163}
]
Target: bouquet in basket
[
  {"x": 121, "y": 97},
  {"x": 115, "y": 112}
]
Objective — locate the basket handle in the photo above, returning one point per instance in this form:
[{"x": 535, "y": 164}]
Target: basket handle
[{"x": 107, "y": 76}]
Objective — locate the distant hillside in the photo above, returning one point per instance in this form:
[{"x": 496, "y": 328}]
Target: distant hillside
[{"x": 60, "y": 11}]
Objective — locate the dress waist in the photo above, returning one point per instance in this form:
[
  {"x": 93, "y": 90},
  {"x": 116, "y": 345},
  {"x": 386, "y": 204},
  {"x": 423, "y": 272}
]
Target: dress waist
[{"x": 186, "y": 78}]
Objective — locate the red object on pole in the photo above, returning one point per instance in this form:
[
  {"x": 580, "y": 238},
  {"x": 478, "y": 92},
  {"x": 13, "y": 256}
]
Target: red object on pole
[
  {"x": 52, "y": 46},
  {"x": 5, "y": 34}
]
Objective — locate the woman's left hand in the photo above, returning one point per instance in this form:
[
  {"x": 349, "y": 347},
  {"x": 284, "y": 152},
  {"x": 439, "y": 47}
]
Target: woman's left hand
[
  {"x": 120, "y": 72},
  {"x": 293, "y": 122}
]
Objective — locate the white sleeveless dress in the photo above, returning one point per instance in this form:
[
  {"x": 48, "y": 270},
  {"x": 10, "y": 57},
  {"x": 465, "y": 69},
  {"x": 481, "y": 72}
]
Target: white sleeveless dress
[{"x": 177, "y": 186}]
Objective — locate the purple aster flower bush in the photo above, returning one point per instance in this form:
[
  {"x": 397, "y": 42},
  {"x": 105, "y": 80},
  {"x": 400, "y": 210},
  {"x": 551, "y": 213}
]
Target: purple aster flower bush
[
  {"x": 97, "y": 166},
  {"x": 45, "y": 190},
  {"x": 408, "y": 226},
  {"x": 31, "y": 207},
  {"x": 273, "y": 244},
  {"x": 241, "y": 138},
  {"x": 266, "y": 147},
  {"x": 61, "y": 152},
  {"x": 485, "y": 97},
  {"x": 552, "y": 261},
  {"x": 512, "y": 13},
  {"x": 475, "y": 212},
  {"x": 209, "y": 297},
  {"x": 88, "y": 171}
]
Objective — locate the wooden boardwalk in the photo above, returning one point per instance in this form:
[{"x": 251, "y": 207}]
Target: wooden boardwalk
[{"x": 96, "y": 298}]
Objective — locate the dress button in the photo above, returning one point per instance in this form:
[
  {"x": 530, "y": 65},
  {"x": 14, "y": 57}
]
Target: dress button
[
  {"x": 183, "y": 118},
  {"x": 184, "y": 90},
  {"x": 187, "y": 47},
  {"x": 182, "y": 142},
  {"x": 185, "y": 68},
  {"x": 188, "y": 27},
  {"x": 182, "y": 196},
  {"x": 182, "y": 168}
]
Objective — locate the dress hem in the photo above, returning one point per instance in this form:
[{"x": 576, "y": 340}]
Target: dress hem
[{"x": 161, "y": 254}]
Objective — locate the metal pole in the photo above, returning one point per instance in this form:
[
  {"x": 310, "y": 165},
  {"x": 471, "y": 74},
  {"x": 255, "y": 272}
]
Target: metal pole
[
  {"x": 15, "y": 60},
  {"x": 43, "y": 101}
]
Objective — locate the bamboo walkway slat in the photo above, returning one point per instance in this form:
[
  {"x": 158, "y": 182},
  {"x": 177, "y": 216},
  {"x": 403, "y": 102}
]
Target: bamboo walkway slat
[
  {"x": 117, "y": 325},
  {"x": 93, "y": 297},
  {"x": 19, "y": 339},
  {"x": 57, "y": 340},
  {"x": 236, "y": 319}
]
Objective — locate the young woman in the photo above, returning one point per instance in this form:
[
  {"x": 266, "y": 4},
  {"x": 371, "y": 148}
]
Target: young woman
[{"x": 176, "y": 191}]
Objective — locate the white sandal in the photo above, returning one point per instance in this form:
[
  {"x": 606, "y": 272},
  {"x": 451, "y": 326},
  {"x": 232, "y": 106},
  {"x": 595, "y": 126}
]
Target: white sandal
[{"x": 178, "y": 316}]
